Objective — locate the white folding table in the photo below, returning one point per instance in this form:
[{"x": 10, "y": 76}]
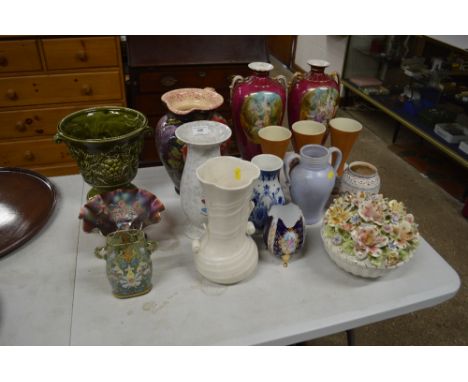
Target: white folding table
[{"x": 54, "y": 291}]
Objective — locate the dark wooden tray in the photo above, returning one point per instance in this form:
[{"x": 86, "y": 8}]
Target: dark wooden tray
[{"x": 27, "y": 200}]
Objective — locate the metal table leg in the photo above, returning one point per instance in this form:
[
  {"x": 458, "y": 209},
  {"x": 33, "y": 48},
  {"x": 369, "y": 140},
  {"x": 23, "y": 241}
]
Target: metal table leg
[
  {"x": 350, "y": 337},
  {"x": 395, "y": 133}
]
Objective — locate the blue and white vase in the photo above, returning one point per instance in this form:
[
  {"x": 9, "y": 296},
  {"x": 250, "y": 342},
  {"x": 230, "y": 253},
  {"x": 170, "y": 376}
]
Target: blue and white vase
[
  {"x": 284, "y": 233},
  {"x": 267, "y": 190}
]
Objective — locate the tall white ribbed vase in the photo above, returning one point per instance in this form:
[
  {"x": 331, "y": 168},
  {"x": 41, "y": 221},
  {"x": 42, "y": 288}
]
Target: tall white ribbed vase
[
  {"x": 203, "y": 140},
  {"x": 226, "y": 253}
]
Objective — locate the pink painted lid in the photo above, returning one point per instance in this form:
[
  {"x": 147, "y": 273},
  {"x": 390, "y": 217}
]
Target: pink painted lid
[{"x": 184, "y": 101}]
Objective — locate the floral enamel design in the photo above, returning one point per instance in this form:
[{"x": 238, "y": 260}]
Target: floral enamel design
[
  {"x": 319, "y": 104},
  {"x": 128, "y": 263},
  {"x": 259, "y": 110}
]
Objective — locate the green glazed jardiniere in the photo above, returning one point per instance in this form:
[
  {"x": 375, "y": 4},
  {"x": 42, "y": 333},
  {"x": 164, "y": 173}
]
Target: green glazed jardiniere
[{"x": 105, "y": 142}]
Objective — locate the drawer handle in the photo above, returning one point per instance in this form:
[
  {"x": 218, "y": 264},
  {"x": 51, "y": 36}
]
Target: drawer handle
[
  {"x": 87, "y": 89},
  {"x": 82, "y": 56},
  {"x": 168, "y": 81},
  {"x": 3, "y": 60},
  {"x": 11, "y": 94},
  {"x": 20, "y": 126},
  {"x": 202, "y": 74},
  {"x": 28, "y": 155}
]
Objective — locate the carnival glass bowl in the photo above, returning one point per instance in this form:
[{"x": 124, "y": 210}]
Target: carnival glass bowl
[{"x": 121, "y": 210}]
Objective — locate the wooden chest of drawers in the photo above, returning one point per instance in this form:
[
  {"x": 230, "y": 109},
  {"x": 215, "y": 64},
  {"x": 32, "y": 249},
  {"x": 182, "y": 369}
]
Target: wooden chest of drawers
[
  {"x": 158, "y": 64},
  {"x": 42, "y": 79}
]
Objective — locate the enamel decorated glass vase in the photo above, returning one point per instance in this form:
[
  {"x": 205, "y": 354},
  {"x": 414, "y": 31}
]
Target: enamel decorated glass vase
[{"x": 184, "y": 105}]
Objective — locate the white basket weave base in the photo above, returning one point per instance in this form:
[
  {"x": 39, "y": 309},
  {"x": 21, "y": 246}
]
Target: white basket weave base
[{"x": 352, "y": 265}]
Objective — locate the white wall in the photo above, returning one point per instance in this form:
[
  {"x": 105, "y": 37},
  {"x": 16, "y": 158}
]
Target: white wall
[{"x": 329, "y": 48}]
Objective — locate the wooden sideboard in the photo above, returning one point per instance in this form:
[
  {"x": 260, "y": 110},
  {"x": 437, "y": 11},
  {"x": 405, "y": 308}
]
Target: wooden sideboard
[
  {"x": 42, "y": 79},
  {"x": 157, "y": 64}
]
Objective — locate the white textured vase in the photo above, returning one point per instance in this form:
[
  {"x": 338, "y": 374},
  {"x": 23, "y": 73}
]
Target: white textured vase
[
  {"x": 203, "y": 140},
  {"x": 226, "y": 253}
]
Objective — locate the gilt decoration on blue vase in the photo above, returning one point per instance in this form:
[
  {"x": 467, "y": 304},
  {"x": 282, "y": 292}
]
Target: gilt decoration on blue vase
[{"x": 284, "y": 232}]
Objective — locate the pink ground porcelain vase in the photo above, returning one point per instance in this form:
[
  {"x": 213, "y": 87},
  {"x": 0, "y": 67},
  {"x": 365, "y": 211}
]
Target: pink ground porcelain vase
[
  {"x": 256, "y": 101},
  {"x": 314, "y": 95}
]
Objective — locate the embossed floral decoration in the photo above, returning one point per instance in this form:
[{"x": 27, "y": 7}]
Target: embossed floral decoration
[{"x": 372, "y": 227}]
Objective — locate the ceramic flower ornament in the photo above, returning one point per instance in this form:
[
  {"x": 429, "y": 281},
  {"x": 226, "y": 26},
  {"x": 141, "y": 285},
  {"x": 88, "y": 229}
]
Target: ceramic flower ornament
[
  {"x": 371, "y": 211},
  {"x": 369, "y": 241},
  {"x": 368, "y": 234}
]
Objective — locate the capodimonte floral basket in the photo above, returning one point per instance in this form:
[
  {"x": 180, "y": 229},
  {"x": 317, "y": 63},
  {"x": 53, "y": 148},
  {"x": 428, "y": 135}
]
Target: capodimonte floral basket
[{"x": 369, "y": 235}]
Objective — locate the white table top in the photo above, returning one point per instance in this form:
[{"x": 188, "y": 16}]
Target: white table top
[{"x": 53, "y": 290}]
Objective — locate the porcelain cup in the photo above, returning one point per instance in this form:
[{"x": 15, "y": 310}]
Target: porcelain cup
[
  {"x": 344, "y": 132},
  {"x": 307, "y": 132},
  {"x": 274, "y": 140}
]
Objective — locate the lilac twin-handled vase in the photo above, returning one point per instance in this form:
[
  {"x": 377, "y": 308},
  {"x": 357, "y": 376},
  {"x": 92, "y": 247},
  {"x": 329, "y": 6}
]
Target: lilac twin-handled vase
[{"x": 311, "y": 178}]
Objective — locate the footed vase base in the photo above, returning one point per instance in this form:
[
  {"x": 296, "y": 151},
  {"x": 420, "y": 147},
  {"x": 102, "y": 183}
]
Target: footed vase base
[
  {"x": 99, "y": 190},
  {"x": 227, "y": 268}
]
